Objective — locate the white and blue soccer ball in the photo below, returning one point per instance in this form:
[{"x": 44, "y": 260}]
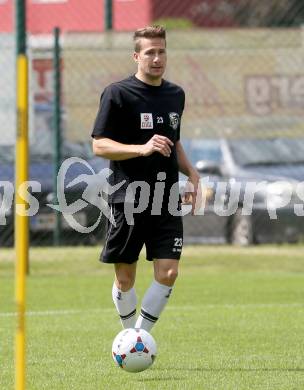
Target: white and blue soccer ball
[{"x": 134, "y": 350}]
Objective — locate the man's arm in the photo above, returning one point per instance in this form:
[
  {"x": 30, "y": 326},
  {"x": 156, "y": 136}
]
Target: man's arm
[
  {"x": 193, "y": 190},
  {"x": 113, "y": 150}
]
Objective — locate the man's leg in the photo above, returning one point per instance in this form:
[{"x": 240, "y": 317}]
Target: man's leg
[
  {"x": 123, "y": 293},
  {"x": 156, "y": 297}
]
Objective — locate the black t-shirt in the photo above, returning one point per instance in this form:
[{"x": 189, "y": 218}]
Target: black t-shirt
[{"x": 131, "y": 112}]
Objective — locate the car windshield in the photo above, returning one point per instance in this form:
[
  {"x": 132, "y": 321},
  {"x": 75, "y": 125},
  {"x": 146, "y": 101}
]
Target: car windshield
[
  {"x": 38, "y": 153},
  {"x": 43, "y": 149},
  {"x": 198, "y": 149},
  {"x": 7, "y": 154},
  {"x": 277, "y": 151}
]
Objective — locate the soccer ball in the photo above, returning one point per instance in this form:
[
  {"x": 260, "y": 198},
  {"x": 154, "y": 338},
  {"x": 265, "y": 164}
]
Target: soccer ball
[{"x": 134, "y": 350}]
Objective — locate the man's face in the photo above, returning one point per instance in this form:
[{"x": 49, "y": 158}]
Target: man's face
[{"x": 151, "y": 59}]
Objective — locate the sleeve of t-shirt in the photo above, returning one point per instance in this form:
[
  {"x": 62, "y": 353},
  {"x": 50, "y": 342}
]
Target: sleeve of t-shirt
[
  {"x": 106, "y": 124},
  {"x": 182, "y": 109}
]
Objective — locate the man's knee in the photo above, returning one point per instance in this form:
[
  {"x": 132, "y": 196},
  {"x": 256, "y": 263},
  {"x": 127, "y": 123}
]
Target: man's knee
[
  {"x": 166, "y": 275},
  {"x": 124, "y": 283},
  {"x": 169, "y": 276},
  {"x": 125, "y": 277}
]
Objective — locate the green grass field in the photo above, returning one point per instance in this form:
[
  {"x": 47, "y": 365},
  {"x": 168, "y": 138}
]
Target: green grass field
[{"x": 235, "y": 321}]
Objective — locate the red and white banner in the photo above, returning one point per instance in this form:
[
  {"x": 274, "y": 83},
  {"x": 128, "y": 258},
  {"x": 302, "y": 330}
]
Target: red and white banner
[
  {"x": 76, "y": 15},
  {"x": 44, "y": 15}
]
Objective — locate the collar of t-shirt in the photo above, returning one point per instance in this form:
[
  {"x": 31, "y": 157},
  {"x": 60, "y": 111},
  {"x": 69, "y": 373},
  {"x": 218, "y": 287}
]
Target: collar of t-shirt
[{"x": 148, "y": 86}]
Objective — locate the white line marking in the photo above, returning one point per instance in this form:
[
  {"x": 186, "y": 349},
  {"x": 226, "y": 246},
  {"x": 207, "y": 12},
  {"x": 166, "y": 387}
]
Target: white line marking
[
  {"x": 53, "y": 312},
  {"x": 186, "y": 307}
]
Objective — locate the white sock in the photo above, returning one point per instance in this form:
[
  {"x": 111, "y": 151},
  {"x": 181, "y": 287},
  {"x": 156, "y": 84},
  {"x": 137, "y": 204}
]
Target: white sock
[
  {"x": 153, "y": 304},
  {"x": 125, "y": 303}
]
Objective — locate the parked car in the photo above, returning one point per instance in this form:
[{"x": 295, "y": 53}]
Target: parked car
[
  {"x": 42, "y": 224},
  {"x": 246, "y": 183}
]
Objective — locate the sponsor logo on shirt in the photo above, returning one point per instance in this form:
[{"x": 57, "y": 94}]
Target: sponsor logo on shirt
[
  {"x": 174, "y": 120},
  {"x": 146, "y": 121}
]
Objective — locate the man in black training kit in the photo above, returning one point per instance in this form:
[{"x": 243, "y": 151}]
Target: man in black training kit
[{"x": 138, "y": 129}]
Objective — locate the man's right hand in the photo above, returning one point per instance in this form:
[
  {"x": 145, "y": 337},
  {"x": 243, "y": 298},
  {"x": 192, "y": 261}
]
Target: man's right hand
[{"x": 157, "y": 143}]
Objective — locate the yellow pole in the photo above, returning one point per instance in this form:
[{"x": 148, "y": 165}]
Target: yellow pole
[{"x": 21, "y": 222}]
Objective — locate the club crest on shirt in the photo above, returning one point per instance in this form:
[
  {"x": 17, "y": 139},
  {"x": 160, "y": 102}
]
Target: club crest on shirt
[
  {"x": 174, "y": 120},
  {"x": 146, "y": 121}
]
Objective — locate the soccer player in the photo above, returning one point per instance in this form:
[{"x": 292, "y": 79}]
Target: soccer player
[{"x": 138, "y": 129}]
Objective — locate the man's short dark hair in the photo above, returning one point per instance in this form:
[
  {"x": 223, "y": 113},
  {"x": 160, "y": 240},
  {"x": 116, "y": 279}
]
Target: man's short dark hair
[{"x": 148, "y": 32}]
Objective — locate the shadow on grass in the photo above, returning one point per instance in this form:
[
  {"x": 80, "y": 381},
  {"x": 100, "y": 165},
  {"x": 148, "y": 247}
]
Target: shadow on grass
[
  {"x": 155, "y": 379},
  {"x": 204, "y": 369}
]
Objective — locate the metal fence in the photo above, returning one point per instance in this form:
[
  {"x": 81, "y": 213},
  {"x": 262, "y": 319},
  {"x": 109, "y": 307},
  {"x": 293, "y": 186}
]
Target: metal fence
[
  {"x": 237, "y": 81},
  {"x": 244, "y": 81}
]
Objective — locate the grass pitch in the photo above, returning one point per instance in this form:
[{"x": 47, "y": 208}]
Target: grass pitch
[{"x": 235, "y": 321}]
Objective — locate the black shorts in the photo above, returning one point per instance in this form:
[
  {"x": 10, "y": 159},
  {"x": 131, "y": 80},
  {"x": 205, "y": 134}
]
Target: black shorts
[{"x": 161, "y": 234}]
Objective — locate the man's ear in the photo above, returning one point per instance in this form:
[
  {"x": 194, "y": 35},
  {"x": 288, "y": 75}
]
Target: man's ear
[{"x": 135, "y": 57}]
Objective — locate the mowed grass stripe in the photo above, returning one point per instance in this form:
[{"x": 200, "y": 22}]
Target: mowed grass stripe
[{"x": 170, "y": 307}]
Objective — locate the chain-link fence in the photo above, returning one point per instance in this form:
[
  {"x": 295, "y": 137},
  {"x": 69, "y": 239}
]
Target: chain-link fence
[{"x": 241, "y": 66}]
